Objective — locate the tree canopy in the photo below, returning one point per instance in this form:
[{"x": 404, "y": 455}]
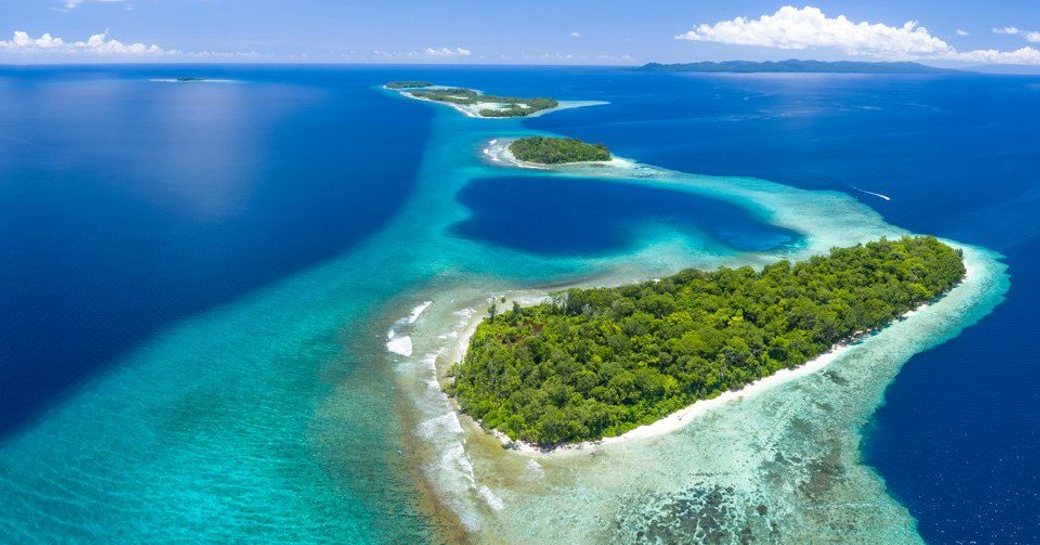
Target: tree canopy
[
  {"x": 508, "y": 106},
  {"x": 591, "y": 363},
  {"x": 541, "y": 149},
  {"x": 408, "y": 84}
]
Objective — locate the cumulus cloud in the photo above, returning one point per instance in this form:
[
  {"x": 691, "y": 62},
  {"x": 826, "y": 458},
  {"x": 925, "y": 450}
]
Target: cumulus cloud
[
  {"x": 1024, "y": 56},
  {"x": 808, "y": 27},
  {"x": 447, "y": 52},
  {"x": 1030, "y": 36},
  {"x": 793, "y": 28},
  {"x": 98, "y": 46},
  {"x": 963, "y": 32},
  {"x": 575, "y": 34}
]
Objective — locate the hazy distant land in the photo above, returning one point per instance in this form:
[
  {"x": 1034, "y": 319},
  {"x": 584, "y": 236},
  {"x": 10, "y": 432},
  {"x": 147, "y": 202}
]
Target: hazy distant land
[{"x": 798, "y": 66}]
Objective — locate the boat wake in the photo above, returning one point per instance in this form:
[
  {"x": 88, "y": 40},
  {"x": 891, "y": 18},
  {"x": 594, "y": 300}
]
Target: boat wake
[{"x": 878, "y": 195}]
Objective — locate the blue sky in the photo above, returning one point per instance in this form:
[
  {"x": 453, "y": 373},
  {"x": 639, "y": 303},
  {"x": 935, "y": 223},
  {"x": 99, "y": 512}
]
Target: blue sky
[{"x": 542, "y": 32}]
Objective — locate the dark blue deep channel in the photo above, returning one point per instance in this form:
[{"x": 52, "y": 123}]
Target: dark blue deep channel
[{"x": 586, "y": 216}]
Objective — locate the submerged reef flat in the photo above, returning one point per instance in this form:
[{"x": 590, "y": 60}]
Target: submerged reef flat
[{"x": 779, "y": 464}]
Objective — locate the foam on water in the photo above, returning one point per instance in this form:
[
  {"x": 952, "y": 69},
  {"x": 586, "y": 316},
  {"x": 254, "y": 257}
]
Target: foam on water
[
  {"x": 399, "y": 345},
  {"x": 402, "y": 344},
  {"x": 418, "y": 310}
]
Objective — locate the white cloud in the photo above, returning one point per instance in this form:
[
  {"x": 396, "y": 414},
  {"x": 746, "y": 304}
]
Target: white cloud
[
  {"x": 447, "y": 52},
  {"x": 1025, "y": 56},
  {"x": 98, "y": 46},
  {"x": 793, "y": 28},
  {"x": 963, "y": 32},
  {"x": 808, "y": 27},
  {"x": 1030, "y": 36},
  {"x": 575, "y": 34}
]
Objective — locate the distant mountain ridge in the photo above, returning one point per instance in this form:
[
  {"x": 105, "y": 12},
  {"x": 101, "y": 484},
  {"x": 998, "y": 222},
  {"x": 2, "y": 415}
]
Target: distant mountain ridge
[{"x": 798, "y": 66}]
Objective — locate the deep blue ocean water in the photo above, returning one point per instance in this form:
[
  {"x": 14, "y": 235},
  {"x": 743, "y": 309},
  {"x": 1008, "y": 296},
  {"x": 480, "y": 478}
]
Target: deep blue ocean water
[
  {"x": 576, "y": 218},
  {"x": 128, "y": 206}
]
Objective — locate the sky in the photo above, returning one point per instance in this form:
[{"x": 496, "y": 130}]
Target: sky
[{"x": 610, "y": 32}]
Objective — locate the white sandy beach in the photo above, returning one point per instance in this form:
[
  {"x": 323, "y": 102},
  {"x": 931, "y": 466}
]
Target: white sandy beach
[
  {"x": 497, "y": 152},
  {"x": 676, "y": 420},
  {"x": 473, "y": 110}
]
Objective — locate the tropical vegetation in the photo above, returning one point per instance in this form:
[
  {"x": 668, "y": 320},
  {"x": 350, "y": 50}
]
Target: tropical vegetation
[
  {"x": 506, "y": 106},
  {"x": 556, "y": 150},
  {"x": 591, "y": 363},
  {"x": 408, "y": 84}
]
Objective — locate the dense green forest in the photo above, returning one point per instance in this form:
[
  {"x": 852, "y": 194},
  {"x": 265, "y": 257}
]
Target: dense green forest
[
  {"x": 511, "y": 106},
  {"x": 408, "y": 84},
  {"x": 590, "y": 363},
  {"x": 541, "y": 149}
]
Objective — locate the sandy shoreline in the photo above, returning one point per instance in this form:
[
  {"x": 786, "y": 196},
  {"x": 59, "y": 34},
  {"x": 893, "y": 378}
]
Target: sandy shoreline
[
  {"x": 665, "y": 425},
  {"x": 473, "y": 110},
  {"x": 496, "y": 151}
]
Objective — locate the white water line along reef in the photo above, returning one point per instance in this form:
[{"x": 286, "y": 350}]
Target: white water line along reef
[{"x": 641, "y": 340}]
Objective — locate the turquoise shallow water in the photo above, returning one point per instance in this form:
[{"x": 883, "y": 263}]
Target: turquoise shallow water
[
  {"x": 271, "y": 417},
  {"x": 781, "y": 467},
  {"x": 279, "y": 415}
]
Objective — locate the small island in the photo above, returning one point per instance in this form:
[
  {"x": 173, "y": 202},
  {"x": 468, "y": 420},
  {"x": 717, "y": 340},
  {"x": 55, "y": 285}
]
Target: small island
[
  {"x": 594, "y": 363},
  {"x": 408, "y": 84},
  {"x": 474, "y": 103},
  {"x": 186, "y": 79},
  {"x": 557, "y": 150}
]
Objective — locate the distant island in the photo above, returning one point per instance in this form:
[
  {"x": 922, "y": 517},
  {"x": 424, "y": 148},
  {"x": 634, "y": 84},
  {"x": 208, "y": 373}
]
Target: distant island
[
  {"x": 798, "y": 66},
  {"x": 594, "y": 363},
  {"x": 408, "y": 84},
  {"x": 185, "y": 79},
  {"x": 474, "y": 103},
  {"x": 557, "y": 150}
]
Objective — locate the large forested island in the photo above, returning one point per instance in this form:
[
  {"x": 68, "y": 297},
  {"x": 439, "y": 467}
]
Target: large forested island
[
  {"x": 557, "y": 150},
  {"x": 474, "y": 102},
  {"x": 797, "y": 66},
  {"x": 593, "y": 363}
]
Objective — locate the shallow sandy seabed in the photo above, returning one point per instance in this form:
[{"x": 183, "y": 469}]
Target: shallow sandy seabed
[{"x": 781, "y": 466}]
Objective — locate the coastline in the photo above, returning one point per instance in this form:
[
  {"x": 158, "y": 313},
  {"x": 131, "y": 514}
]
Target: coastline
[
  {"x": 496, "y": 152},
  {"x": 473, "y": 110},
  {"x": 674, "y": 421},
  {"x": 790, "y": 447}
]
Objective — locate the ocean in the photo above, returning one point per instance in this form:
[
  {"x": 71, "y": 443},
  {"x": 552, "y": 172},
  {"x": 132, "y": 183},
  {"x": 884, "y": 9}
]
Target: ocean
[{"x": 198, "y": 278}]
